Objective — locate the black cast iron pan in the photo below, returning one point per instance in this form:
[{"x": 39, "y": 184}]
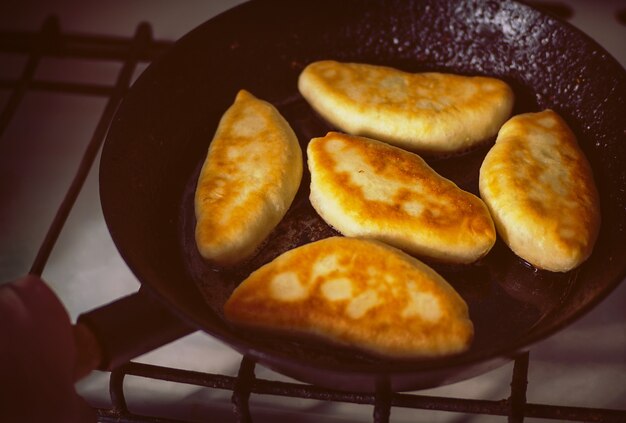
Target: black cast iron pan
[{"x": 162, "y": 130}]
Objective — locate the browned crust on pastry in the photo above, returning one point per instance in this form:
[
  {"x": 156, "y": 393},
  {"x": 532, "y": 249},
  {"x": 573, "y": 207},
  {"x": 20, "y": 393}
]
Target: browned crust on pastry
[
  {"x": 540, "y": 190},
  {"x": 424, "y": 112},
  {"x": 359, "y": 293},
  {"x": 249, "y": 179},
  {"x": 370, "y": 189}
]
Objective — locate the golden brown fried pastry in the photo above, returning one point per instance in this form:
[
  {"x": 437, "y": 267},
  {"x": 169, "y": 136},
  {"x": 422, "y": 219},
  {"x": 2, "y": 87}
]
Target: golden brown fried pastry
[
  {"x": 539, "y": 188},
  {"x": 370, "y": 189},
  {"x": 359, "y": 293},
  {"x": 249, "y": 179},
  {"x": 424, "y": 112}
]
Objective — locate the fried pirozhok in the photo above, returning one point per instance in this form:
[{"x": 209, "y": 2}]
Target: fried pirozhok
[
  {"x": 366, "y": 188},
  {"x": 359, "y": 293},
  {"x": 426, "y": 112},
  {"x": 249, "y": 178},
  {"x": 540, "y": 190}
]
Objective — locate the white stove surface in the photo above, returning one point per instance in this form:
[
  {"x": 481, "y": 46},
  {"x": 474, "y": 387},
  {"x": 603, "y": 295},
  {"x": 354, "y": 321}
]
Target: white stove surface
[{"x": 583, "y": 365}]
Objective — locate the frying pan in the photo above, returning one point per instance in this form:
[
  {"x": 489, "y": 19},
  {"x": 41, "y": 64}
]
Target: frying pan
[{"x": 161, "y": 132}]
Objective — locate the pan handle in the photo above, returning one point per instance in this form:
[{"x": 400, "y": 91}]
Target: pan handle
[{"x": 119, "y": 331}]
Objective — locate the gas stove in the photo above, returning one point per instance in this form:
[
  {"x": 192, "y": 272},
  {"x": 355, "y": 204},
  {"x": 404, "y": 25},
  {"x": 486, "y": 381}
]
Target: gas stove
[{"x": 61, "y": 104}]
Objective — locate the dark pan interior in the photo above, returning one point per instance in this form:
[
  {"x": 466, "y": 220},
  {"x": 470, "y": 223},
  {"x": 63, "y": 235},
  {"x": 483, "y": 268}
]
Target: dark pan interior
[{"x": 160, "y": 135}]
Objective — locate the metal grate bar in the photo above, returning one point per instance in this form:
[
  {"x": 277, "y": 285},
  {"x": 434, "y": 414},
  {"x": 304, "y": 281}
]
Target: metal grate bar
[
  {"x": 111, "y": 416},
  {"x": 241, "y": 391},
  {"x": 579, "y": 414},
  {"x": 80, "y": 46},
  {"x": 49, "y": 29},
  {"x": 61, "y": 87},
  {"x": 381, "y": 401},
  {"x": 519, "y": 382},
  {"x": 116, "y": 390},
  {"x": 142, "y": 37}
]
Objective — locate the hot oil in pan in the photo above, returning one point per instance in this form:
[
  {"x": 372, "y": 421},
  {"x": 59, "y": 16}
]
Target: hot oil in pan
[{"x": 506, "y": 296}]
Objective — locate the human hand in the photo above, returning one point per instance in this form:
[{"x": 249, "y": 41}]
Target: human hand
[{"x": 37, "y": 356}]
